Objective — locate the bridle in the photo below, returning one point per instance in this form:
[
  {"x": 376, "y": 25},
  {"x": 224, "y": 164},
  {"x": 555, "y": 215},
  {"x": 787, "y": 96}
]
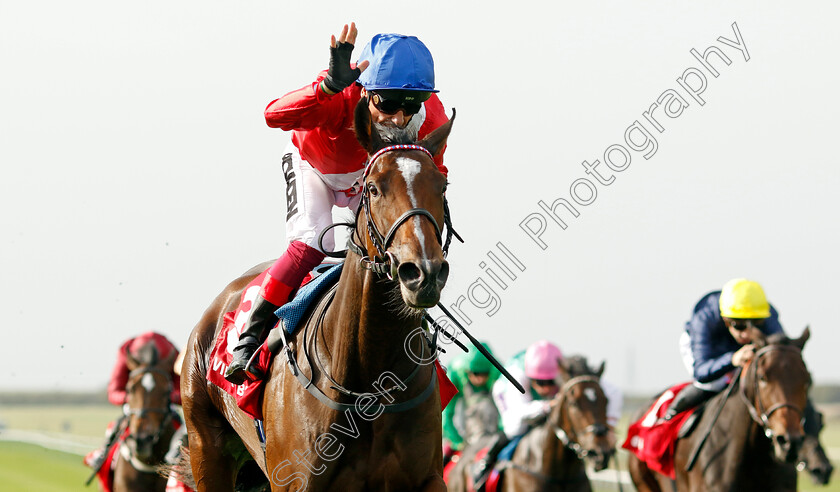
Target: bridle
[
  {"x": 571, "y": 442},
  {"x": 758, "y": 412},
  {"x": 568, "y": 438},
  {"x": 384, "y": 262},
  {"x": 135, "y": 378}
]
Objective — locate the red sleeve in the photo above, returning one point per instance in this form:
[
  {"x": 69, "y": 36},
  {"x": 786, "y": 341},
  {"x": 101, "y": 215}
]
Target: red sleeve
[
  {"x": 307, "y": 108},
  {"x": 119, "y": 378},
  {"x": 435, "y": 117}
]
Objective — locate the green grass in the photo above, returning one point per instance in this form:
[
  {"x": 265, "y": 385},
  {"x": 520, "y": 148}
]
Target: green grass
[
  {"x": 82, "y": 420},
  {"x": 27, "y": 467},
  {"x": 31, "y": 468}
]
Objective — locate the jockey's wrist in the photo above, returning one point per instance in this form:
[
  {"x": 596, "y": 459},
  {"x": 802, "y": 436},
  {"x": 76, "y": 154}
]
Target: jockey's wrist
[{"x": 326, "y": 90}]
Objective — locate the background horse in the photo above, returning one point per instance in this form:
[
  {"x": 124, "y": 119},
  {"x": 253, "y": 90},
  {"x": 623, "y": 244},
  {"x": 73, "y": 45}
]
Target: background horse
[
  {"x": 385, "y": 433},
  {"x": 150, "y": 422},
  {"x": 813, "y": 459},
  {"x": 551, "y": 455},
  {"x": 481, "y": 431},
  {"x": 756, "y": 438}
]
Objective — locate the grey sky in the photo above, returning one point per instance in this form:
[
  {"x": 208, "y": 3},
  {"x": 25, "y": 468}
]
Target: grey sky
[{"x": 139, "y": 177}]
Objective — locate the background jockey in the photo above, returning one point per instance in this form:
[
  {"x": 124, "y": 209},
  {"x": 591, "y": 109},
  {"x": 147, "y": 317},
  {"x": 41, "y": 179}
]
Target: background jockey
[
  {"x": 473, "y": 375},
  {"x": 119, "y": 375},
  {"x": 324, "y": 163},
  {"x": 538, "y": 369},
  {"x": 716, "y": 340},
  {"x": 119, "y": 378}
]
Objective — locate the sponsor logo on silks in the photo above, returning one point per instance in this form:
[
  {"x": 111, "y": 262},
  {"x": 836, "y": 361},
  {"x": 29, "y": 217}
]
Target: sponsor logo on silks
[{"x": 291, "y": 186}]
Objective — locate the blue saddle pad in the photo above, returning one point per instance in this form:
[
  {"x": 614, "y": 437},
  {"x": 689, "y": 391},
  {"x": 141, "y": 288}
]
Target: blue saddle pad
[{"x": 292, "y": 312}]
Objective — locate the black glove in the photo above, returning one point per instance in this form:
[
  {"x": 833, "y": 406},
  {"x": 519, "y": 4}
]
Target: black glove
[{"x": 340, "y": 75}]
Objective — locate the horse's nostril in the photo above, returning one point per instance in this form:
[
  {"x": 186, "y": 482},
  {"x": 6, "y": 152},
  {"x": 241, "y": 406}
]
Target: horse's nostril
[
  {"x": 410, "y": 274},
  {"x": 443, "y": 274}
]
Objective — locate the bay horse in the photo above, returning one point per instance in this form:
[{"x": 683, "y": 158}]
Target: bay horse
[
  {"x": 151, "y": 422},
  {"x": 813, "y": 459},
  {"x": 755, "y": 440},
  {"x": 552, "y": 455},
  {"x": 385, "y": 434}
]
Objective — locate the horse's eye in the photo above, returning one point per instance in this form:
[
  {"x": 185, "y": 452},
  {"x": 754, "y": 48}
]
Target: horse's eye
[
  {"x": 762, "y": 377},
  {"x": 372, "y": 189}
]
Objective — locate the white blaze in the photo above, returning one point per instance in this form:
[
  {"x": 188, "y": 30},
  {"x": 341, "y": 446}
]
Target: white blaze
[
  {"x": 410, "y": 168},
  {"x": 148, "y": 382}
]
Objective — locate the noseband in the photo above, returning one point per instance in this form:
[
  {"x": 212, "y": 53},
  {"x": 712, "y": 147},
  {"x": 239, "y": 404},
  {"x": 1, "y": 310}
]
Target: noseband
[
  {"x": 757, "y": 412},
  {"x": 385, "y": 263}
]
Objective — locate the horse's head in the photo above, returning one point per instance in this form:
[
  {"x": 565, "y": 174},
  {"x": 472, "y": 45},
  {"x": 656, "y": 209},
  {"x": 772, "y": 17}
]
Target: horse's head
[
  {"x": 579, "y": 415},
  {"x": 775, "y": 388},
  {"x": 402, "y": 211},
  {"x": 812, "y": 458},
  {"x": 147, "y": 399}
]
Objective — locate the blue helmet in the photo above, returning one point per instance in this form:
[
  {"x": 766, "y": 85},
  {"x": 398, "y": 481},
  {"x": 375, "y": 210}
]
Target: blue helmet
[{"x": 397, "y": 62}]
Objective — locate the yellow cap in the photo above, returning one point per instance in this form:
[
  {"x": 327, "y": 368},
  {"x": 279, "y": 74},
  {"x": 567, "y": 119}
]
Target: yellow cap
[{"x": 745, "y": 299}]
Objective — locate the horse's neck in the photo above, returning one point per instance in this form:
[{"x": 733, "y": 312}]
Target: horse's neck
[
  {"x": 364, "y": 336},
  {"x": 556, "y": 459}
]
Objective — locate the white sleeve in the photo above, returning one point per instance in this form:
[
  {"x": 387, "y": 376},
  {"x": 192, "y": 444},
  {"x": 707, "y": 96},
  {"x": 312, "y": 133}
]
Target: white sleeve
[
  {"x": 515, "y": 407},
  {"x": 615, "y": 402}
]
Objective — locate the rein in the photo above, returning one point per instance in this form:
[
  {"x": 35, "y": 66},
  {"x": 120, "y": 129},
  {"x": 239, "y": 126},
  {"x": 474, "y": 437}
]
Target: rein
[
  {"x": 309, "y": 384},
  {"x": 758, "y": 413}
]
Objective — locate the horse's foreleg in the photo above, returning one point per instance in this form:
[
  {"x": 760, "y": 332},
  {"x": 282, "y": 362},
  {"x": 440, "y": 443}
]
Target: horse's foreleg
[{"x": 212, "y": 471}]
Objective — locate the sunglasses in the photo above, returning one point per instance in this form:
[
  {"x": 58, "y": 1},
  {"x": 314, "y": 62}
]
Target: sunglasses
[
  {"x": 479, "y": 374},
  {"x": 544, "y": 382},
  {"x": 743, "y": 324},
  {"x": 392, "y": 101}
]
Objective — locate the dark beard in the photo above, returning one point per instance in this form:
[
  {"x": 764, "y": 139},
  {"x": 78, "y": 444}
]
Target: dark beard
[{"x": 396, "y": 136}]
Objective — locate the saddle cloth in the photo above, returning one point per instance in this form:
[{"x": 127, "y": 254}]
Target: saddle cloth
[
  {"x": 652, "y": 439},
  {"x": 249, "y": 394}
]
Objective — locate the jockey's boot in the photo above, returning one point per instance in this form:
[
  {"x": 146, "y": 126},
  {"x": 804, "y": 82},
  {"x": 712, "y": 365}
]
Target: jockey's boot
[
  {"x": 689, "y": 397},
  {"x": 281, "y": 279},
  {"x": 261, "y": 320}
]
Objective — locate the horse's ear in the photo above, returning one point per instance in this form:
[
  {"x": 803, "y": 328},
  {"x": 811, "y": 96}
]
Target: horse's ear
[
  {"x": 435, "y": 141},
  {"x": 362, "y": 125},
  {"x": 565, "y": 369},
  {"x": 600, "y": 371},
  {"x": 800, "y": 342},
  {"x": 757, "y": 337}
]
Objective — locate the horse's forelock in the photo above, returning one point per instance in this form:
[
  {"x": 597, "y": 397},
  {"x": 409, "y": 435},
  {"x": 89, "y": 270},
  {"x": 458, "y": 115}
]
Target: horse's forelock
[
  {"x": 147, "y": 355},
  {"x": 779, "y": 339}
]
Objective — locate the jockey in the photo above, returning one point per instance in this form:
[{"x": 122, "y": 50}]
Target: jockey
[
  {"x": 120, "y": 373},
  {"x": 323, "y": 165},
  {"x": 716, "y": 340},
  {"x": 119, "y": 379},
  {"x": 473, "y": 375},
  {"x": 538, "y": 369}
]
